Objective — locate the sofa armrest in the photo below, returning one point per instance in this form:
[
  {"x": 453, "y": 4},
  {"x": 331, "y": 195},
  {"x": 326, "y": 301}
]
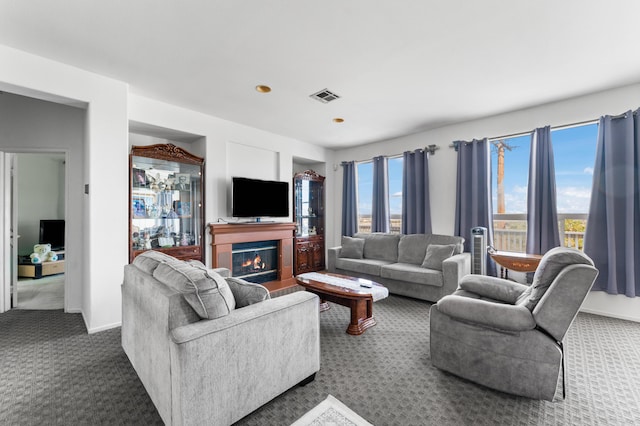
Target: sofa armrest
[
  {"x": 492, "y": 287},
  {"x": 333, "y": 254},
  {"x": 453, "y": 269},
  {"x": 224, "y": 368},
  {"x": 488, "y": 314}
]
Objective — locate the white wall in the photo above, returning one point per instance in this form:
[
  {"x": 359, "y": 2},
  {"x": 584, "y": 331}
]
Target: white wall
[
  {"x": 40, "y": 193},
  {"x": 32, "y": 125},
  {"x": 193, "y": 147},
  {"x": 104, "y": 167},
  {"x": 442, "y": 169},
  {"x": 253, "y": 162}
]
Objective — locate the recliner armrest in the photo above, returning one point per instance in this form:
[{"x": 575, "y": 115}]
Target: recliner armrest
[
  {"x": 489, "y": 314},
  {"x": 492, "y": 287}
]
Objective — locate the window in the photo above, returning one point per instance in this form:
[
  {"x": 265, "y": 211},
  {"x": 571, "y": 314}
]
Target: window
[
  {"x": 574, "y": 154},
  {"x": 509, "y": 182},
  {"x": 364, "y": 173},
  {"x": 395, "y": 193},
  {"x": 364, "y": 176}
]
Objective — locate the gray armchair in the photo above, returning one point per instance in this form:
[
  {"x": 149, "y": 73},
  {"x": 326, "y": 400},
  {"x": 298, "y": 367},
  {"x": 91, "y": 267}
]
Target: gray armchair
[{"x": 508, "y": 336}]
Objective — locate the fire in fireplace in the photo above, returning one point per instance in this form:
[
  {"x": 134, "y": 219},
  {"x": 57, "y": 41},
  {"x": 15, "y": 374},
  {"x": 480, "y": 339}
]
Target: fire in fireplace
[{"x": 256, "y": 262}]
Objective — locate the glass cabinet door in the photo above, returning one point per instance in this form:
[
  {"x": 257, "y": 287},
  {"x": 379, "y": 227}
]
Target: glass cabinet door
[
  {"x": 166, "y": 211},
  {"x": 309, "y": 207},
  {"x": 308, "y": 214}
]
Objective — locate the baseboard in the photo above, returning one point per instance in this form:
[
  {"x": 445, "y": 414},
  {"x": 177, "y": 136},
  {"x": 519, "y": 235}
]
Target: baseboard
[
  {"x": 103, "y": 328},
  {"x": 610, "y": 315},
  {"x": 86, "y": 323}
]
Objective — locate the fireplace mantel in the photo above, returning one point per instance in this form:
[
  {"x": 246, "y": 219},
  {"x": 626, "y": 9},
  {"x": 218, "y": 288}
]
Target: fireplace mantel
[{"x": 224, "y": 235}]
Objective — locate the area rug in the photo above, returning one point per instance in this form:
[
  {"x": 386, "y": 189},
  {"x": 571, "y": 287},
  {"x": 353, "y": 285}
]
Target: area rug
[{"x": 331, "y": 412}]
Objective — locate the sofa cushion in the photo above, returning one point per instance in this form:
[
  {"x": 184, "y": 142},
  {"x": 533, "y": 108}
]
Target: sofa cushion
[
  {"x": 412, "y": 273},
  {"x": 381, "y": 246},
  {"x": 436, "y": 254},
  {"x": 225, "y": 291},
  {"x": 352, "y": 248},
  {"x": 246, "y": 293},
  {"x": 412, "y": 248},
  {"x": 204, "y": 290},
  {"x": 554, "y": 261},
  {"x": 149, "y": 260},
  {"x": 458, "y": 242},
  {"x": 362, "y": 266}
]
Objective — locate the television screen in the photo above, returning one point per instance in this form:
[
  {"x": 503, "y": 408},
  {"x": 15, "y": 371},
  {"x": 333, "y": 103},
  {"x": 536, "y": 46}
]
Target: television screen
[
  {"x": 259, "y": 198},
  {"x": 52, "y": 232}
]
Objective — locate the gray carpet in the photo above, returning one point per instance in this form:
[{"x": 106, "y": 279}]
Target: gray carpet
[
  {"x": 42, "y": 293},
  {"x": 52, "y": 372}
]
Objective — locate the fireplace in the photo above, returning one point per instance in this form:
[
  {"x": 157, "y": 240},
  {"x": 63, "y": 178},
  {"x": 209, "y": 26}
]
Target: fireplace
[
  {"x": 225, "y": 238},
  {"x": 255, "y": 261}
]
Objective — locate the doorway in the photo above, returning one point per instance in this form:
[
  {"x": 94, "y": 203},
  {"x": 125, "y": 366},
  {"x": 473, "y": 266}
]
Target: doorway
[{"x": 38, "y": 218}]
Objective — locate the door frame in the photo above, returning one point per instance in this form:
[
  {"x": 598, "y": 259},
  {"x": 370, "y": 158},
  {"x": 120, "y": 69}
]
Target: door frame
[
  {"x": 9, "y": 266},
  {"x": 5, "y": 231}
]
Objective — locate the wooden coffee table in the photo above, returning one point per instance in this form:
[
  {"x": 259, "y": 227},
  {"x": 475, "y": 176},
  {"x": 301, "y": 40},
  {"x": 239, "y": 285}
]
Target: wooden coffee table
[
  {"x": 348, "y": 293},
  {"x": 520, "y": 262}
]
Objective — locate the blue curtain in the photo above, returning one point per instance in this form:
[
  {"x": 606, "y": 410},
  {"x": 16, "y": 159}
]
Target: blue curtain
[
  {"x": 473, "y": 192},
  {"x": 380, "y": 201},
  {"x": 349, "y": 199},
  {"x": 542, "y": 214},
  {"x": 612, "y": 237},
  {"x": 416, "y": 208}
]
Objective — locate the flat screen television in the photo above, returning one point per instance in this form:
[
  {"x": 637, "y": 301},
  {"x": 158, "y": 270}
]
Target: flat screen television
[
  {"x": 259, "y": 198},
  {"x": 52, "y": 232}
]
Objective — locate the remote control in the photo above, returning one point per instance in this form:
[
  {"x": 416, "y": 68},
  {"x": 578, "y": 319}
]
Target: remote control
[{"x": 366, "y": 285}]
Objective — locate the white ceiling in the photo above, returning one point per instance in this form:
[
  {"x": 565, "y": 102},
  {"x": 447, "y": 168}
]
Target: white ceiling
[{"x": 400, "y": 67}]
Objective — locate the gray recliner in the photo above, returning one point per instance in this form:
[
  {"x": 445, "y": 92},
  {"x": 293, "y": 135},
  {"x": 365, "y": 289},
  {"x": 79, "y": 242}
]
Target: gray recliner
[{"x": 508, "y": 336}]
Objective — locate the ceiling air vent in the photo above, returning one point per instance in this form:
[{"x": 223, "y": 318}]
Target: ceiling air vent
[{"x": 325, "y": 96}]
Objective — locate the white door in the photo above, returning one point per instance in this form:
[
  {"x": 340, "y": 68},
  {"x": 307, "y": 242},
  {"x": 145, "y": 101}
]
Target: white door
[
  {"x": 5, "y": 234},
  {"x": 9, "y": 238},
  {"x": 13, "y": 227}
]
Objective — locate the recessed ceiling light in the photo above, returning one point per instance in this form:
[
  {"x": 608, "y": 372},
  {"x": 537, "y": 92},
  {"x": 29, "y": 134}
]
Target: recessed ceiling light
[
  {"x": 338, "y": 120},
  {"x": 263, "y": 89}
]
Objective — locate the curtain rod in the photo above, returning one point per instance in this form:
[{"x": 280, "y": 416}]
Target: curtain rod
[
  {"x": 562, "y": 127},
  {"x": 431, "y": 149}
]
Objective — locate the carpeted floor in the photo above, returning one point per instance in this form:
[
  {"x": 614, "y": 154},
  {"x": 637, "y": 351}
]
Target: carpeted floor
[
  {"x": 53, "y": 372},
  {"x": 41, "y": 293}
]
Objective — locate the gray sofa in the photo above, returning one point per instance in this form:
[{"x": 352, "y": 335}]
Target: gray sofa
[
  {"x": 208, "y": 349},
  {"x": 423, "y": 266}
]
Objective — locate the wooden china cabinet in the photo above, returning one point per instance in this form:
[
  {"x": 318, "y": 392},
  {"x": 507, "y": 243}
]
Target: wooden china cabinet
[
  {"x": 308, "y": 214},
  {"x": 166, "y": 212}
]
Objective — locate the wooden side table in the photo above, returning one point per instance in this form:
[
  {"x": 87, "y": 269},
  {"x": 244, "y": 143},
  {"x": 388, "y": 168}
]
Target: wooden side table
[{"x": 520, "y": 262}]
